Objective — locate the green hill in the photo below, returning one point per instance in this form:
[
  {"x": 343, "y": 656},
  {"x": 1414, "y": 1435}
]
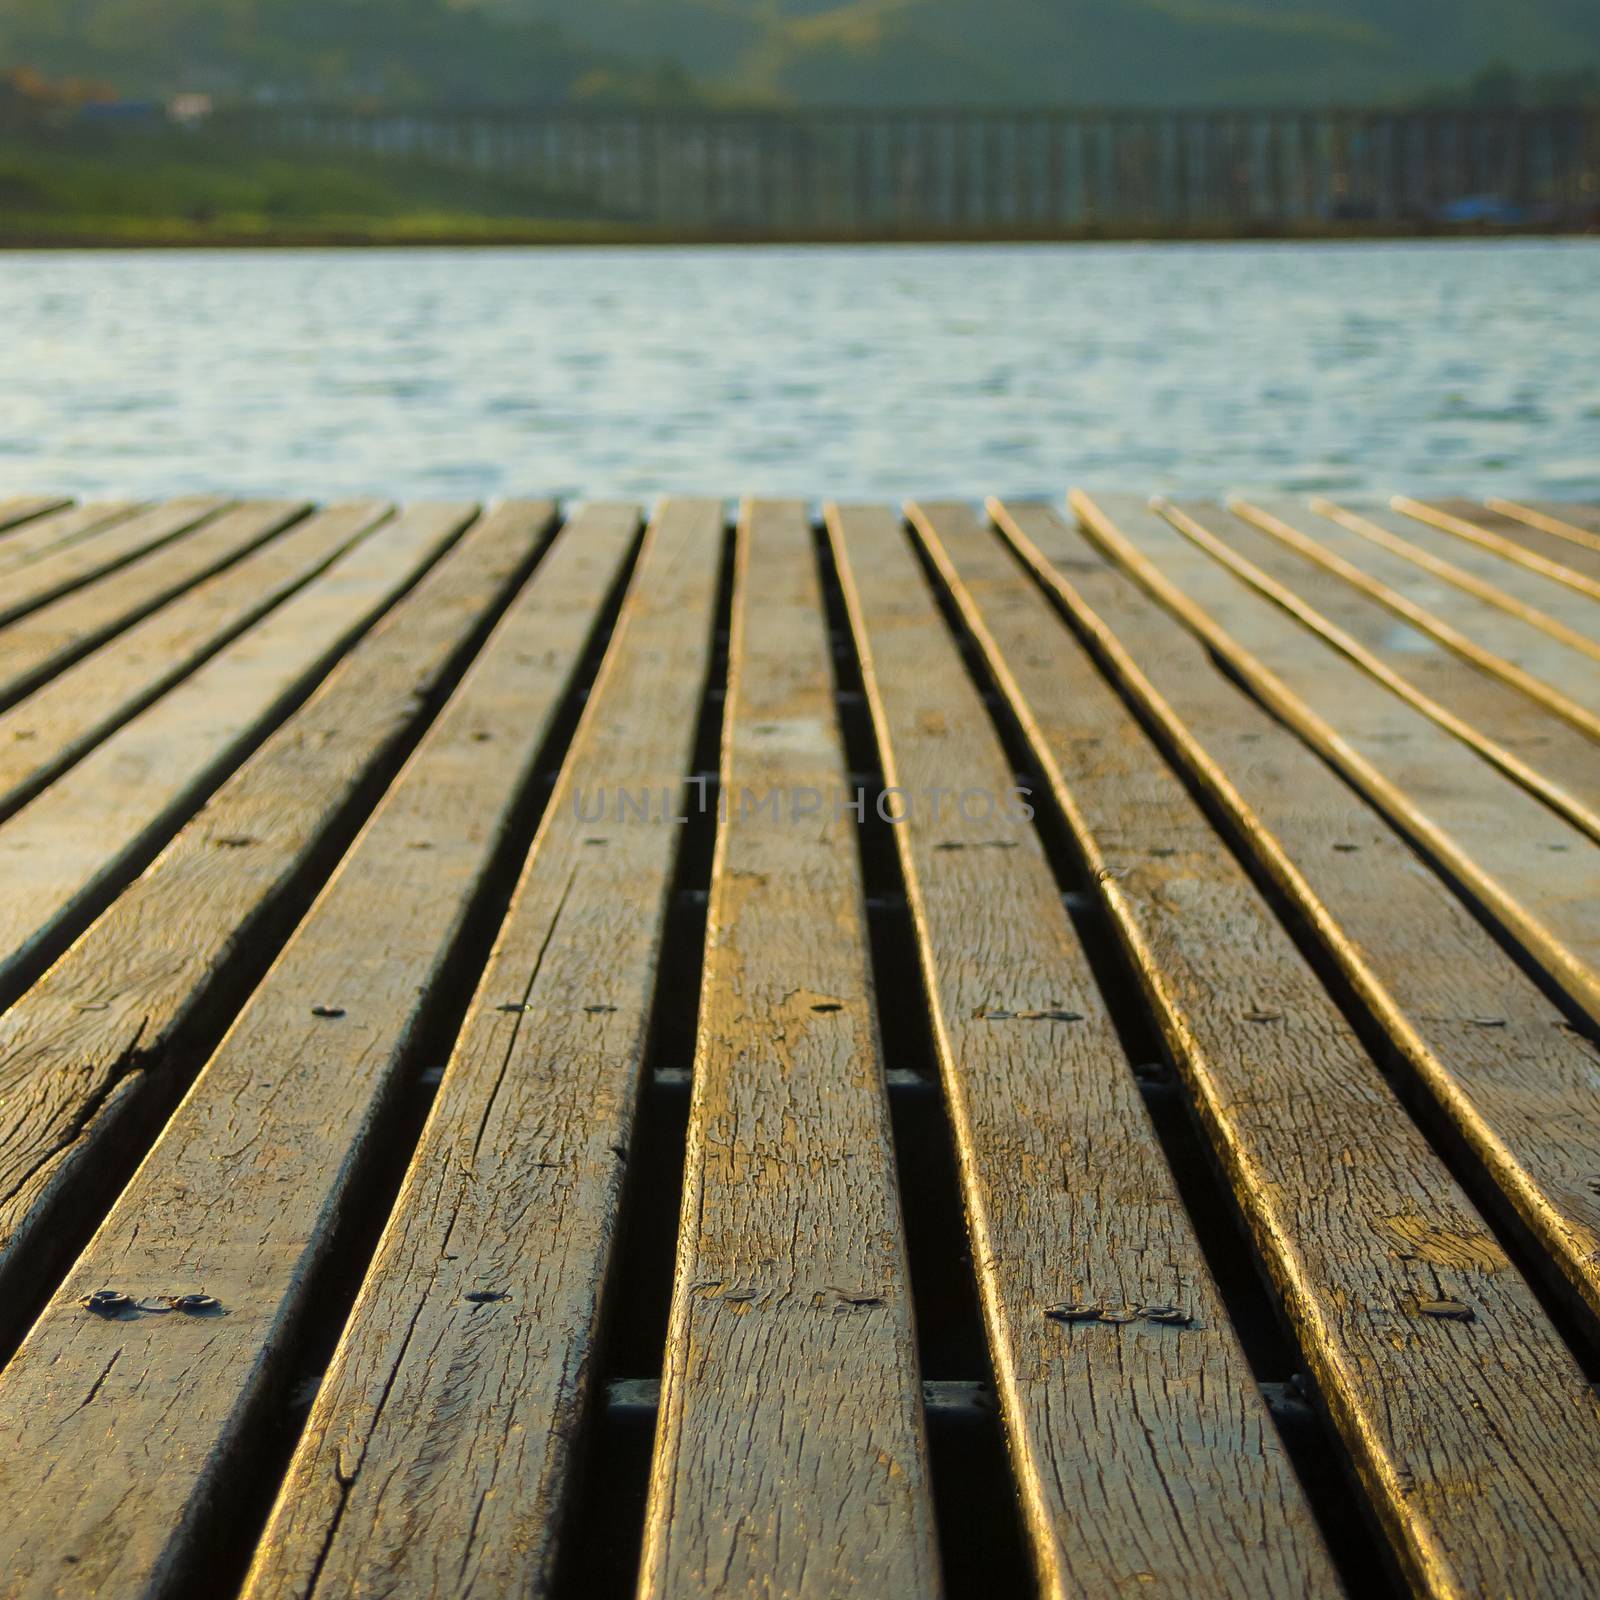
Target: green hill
[
  {"x": 889, "y": 52},
  {"x": 1199, "y": 52}
]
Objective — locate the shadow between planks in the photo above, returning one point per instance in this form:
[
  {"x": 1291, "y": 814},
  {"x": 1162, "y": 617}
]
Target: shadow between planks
[{"x": 541, "y": 1052}]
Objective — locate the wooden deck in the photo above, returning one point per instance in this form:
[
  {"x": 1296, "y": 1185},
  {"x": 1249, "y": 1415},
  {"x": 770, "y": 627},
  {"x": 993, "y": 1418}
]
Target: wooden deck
[{"x": 917, "y": 1051}]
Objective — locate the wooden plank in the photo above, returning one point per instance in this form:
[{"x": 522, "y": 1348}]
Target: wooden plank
[
  {"x": 104, "y": 1034},
  {"x": 1530, "y": 870},
  {"x": 1140, "y": 1446},
  {"x": 39, "y": 645},
  {"x": 1578, "y": 524},
  {"x": 250, "y": 1185},
  {"x": 59, "y": 571},
  {"x": 56, "y": 724},
  {"x": 64, "y": 852},
  {"x": 1498, "y": 1058},
  {"x": 1477, "y": 1448},
  {"x": 1552, "y": 610},
  {"x": 790, "y": 1456},
  {"x": 1554, "y": 763},
  {"x": 19, "y": 508},
  {"x": 1555, "y": 546},
  {"x": 1565, "y": 571},
  {"x": 1309, "y": 536},
  {"x": 27, "y": 541},
  {"x": 442, "y": 1438}
]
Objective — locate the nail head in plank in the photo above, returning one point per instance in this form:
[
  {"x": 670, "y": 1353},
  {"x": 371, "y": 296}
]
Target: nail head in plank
[
  {"x": 79, "y": 1051},
  {"x": 444, "y": 1433},
  {"x": 1499, "y": 1059},
  {"x": 243, "y": 1197},
  {"x": 790, "y": 1454},
  {"x": 1321, "y": 1156},
  {"x": 1139, "y": 1445}
]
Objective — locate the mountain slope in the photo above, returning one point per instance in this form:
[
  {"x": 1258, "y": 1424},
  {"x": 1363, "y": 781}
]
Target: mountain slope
[
  {"x": 1088, "y": 51},
  {"x": 841, "y": 52}
]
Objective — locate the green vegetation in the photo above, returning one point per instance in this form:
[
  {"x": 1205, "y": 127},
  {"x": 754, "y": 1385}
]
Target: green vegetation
[
  {"x": 75, "y": 164},
  {"x": 882, "y": 52},
  {"x": 395, "y": 51},
  {"x": 1085, "y": 52},
  {"x": 171, "y": 187}
]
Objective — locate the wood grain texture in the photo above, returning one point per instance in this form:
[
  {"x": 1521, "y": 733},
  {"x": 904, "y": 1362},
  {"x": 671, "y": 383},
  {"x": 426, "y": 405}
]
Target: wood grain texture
[
  {"x": 1577, "y": 524},
  {"x": 49, "y": 639},
  {"x": 90, "y": 699},
  {"x": 1558, "y": 565},
  {"x": 60, "y": 570},
  {"x": 790, "y": 1458},
  {"x": 1305, "y": 533},
  {"x": 19, "y": 508},
  {"x": 1553, "y": 762},
  {"x": 1478, "y": 1447},
  {"x": 1533, "y": 872},
  {"x": 1144, "y": 1454},
  {"x": 1556, "y": 545},
  {"x": 244, "y": 1195},
  {"x": 105, "y": 1030},
  {"x": 27, "y": 541},
  {"x": 1501, "y": 1062},
  {"x": 439, "y": 1454},
  {"x": 129, "y": 794},
  {"x": 1553, "y": 611}
]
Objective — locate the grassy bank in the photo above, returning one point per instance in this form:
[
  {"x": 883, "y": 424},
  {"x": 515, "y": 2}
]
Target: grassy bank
[
  {"x": 103, "y": 188},
  {"x": 99, "y": 186}
]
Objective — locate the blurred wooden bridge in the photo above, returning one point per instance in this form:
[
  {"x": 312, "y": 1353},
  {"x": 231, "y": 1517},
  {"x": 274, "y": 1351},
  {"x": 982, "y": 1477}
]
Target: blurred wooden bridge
[{"x": 1043, "y": 173}]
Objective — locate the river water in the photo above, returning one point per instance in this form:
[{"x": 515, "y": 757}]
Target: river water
[{"x": 852, "y": 372}]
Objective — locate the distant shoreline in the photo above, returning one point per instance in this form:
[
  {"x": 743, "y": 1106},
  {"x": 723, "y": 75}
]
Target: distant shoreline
[{"x": 142, "y": 234}]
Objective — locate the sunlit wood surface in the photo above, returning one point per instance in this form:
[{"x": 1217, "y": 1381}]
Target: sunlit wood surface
[{"x": 799, "y": 1050}]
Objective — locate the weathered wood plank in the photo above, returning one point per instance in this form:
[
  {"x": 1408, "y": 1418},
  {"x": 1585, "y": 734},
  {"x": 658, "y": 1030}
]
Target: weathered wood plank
[
  {"x": 46, "y": 641},
  {"x": 104, "y": 1034},
  {"x": 439, "y": 1451},
  {"x": 1551, "y": 761},
  {"x": 19, "y": 508},
  {"x": 1497, "y": 1057},
  {"x": 1552, "y": 610},
  {"x": 1532, "y": 871},
  {"x": 245, "y": 1193},
  {"x": 1478, "y": 1448},
  {"x": 790, "y": 1456},
  {"x": 1570, "y": 569},
  {"x": 1142, "y": 1449},
  {"x": 55, "y": 724},
  {"x": 1297, "y": 528},
  {"x": 1557, "y": 547},
  {"x": 1578, "y": 524},
  {"x": 58, "y": 571},
  {"x": 64, "y": 851},
  {"x": 28, "y": 541}
]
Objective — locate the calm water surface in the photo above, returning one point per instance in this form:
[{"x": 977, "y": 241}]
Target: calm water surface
[{"x": 851, "y": 372}]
